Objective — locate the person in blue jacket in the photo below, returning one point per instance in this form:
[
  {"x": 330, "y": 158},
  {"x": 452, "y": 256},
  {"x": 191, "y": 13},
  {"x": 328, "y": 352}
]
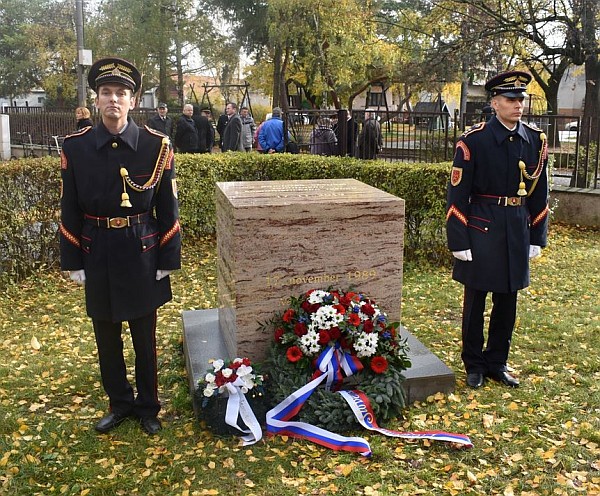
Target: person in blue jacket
[
  {"x": 271, "y": 134},
  {"x": 496, "y": 220},
  {"x": 120, "y": 237}
]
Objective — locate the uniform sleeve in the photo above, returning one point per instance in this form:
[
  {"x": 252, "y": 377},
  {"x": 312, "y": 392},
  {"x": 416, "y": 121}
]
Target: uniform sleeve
[
  {"x": 71, "y": 218},
  {"x": 538, "y": 205},
  {"x": 457, "y": 201},
  {"x": 167, "y": 214}
]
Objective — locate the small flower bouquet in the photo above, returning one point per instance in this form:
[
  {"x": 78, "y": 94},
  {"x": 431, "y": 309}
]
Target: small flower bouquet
[
  {"x": 237, "y": 370},
  {"x": 231, "y": 393}
]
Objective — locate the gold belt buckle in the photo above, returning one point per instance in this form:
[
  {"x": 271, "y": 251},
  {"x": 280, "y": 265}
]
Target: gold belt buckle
[
  {"x": 118, "y": 222},
  {"x": 514, "y": 201}
]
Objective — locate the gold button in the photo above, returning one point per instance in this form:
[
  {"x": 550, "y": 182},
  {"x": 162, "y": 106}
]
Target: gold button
[
  {"x": 143, "y": 247},
  {"x": 511, "y": 139},
  {"x": 115, "y": 145}
]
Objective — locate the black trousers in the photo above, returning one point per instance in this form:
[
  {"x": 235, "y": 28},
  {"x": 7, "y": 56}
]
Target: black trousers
[
  {"x": 490, "y": 357},
  {"x": 113, "y": 369}
]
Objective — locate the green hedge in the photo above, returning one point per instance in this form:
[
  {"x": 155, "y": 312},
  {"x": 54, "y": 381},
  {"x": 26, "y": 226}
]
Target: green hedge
[{"x": 30, "y": 189}]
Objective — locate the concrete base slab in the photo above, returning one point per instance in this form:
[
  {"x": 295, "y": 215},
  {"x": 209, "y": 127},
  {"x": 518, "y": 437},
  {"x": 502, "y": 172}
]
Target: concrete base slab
[{"x": 203, "y": 341}]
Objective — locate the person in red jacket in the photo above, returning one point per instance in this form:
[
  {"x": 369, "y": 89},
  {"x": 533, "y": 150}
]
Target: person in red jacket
[
  {"x": 119, "y": 237},
  {"x": 496, "y": 220}
]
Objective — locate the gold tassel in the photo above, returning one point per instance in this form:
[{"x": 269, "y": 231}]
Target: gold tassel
[
  {"x": 522, "y": 191},
  {"x": 125, "y": 196}
]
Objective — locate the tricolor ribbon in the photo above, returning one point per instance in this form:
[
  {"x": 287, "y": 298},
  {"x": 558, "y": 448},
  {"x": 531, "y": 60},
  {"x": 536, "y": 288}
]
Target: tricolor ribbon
[
  {"x": 361, "y": 407},
  {"x": 238, "y": 406},
  {"x": 328, "y": 369},
  {"x": 278, "y": 422}
]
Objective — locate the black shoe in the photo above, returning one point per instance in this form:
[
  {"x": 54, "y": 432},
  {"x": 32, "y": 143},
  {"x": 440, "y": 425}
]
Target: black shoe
[
  {"x": 110, "y": 421},
  {"x": 505, "y": 378},
  {"x": 150, "y": 425},
  {"x": 475, "y": 380}
]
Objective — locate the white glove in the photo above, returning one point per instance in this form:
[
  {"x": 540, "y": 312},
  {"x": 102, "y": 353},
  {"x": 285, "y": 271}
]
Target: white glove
[
  {"x": 535, "y": 251},
  {"x": 464, "y": 255},
  {"x": 77, "y": 276},
  {"x": 162, "y": 273}
]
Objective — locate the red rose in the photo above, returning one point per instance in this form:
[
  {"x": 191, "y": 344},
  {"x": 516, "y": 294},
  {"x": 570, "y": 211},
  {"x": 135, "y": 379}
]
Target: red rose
[
  {"x": 324, "y": 337},
  {"x": 246, "y": 362},
  {"x": 235, "y": 365},
  {"x": 354, "y": 319},
  {"x": 293, "y": 354},
  {"x": 379, "y": 364},
  {"x": 288, "y": 315},
  {"x": 335, "y": 333},
  {"x": 368, "y": 326},
  {"x": 279, "y": 332},
  {"x": 345, "y": 300},
  {"x": 310, "y": 307},
  {"x": 219, "y": 379},
  {"x": 368, "y": 309},
  {"x": 340, "y": 308},
  {"x": 300, "y": 329}
]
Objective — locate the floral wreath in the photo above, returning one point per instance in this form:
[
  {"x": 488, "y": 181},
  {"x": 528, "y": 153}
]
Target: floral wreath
[{"x": 371, "y": 350}]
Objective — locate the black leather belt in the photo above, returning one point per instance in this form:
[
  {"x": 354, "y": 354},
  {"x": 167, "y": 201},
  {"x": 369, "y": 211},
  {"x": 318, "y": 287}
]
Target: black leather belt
[
  {"x": 116, "y": 222},
  {"x": 502, "y": 201}
]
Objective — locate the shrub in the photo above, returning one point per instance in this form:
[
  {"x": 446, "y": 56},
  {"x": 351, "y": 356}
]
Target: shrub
[{"x": 30, "y": 191}]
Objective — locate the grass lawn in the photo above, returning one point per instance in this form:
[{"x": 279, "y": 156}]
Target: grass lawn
[{"x": 540, "y": 439}]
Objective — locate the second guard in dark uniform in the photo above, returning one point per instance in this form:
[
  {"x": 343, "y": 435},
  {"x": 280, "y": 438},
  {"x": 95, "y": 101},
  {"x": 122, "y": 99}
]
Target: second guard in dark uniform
[
  {"x": 497, "y": 216},
  {"x": 120, "y": 236}
]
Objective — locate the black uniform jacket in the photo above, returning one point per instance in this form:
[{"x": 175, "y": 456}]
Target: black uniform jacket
[
  {"x": 486, "y": 163},
  {"x": 120, "y": 264}
]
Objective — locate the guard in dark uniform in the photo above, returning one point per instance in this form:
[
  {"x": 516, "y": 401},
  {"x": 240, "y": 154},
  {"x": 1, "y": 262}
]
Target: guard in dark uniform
[
  {"x": 497, "y": 218},
  {"x": 119, "y": 236}
]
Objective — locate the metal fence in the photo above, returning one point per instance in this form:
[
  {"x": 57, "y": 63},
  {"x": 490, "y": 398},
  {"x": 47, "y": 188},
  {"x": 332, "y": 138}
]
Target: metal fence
[
  {"x": 406, "y": 136},
  {"x": 431, "y": 136}
]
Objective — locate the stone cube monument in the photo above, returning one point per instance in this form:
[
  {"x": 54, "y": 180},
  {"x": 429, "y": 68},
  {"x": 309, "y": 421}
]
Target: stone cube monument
[{"x": 277, "y": 239}]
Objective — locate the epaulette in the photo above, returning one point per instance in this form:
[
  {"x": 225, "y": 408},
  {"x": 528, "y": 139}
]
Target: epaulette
[
  {"x": 533, "y": 127},
  {"x": 155, "y": 132},
  {"x": 474, "y": 129},
  {"x": 79, "y": 132}
]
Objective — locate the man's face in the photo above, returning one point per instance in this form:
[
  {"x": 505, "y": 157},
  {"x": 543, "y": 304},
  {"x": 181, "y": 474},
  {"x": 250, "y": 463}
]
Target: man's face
[
  {"x": 188, "y": 110},
  {"x": 244, "y": 112},
  {"x": 230, "y": 109},
  {"x": 162, "y": 111},
  {"x": 508, "y": 110},
  {"x": 114, "y": 101}
]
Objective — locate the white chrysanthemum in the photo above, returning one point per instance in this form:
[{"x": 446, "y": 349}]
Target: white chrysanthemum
[
  {"x": 209, "y": 390},
  {"x": 227, "y": 373},
  {"x": 366, "y": 344},
  {"x": 244, "y": 370},
  {"x": 209, "y": 378},
  {"x": 309, "y": 343},
  {"x": 317, "y": 296},
  {"x": 218, "y": 364},
  {"x": 326, "y": 317}
]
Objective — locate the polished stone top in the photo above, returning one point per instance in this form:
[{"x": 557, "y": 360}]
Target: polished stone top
[{"x": 300, "y": 192}]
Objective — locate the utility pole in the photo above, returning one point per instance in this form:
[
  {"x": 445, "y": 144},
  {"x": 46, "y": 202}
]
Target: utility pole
[{"x": 81, "y": 88}]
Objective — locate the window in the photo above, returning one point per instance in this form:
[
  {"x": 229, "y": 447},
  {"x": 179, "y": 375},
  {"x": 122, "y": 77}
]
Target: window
[{"x": 376, "y": 100}]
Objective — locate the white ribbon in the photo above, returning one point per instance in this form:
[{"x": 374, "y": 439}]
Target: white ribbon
[{"x": 238, "y": 406}]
